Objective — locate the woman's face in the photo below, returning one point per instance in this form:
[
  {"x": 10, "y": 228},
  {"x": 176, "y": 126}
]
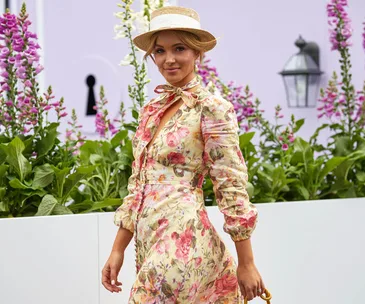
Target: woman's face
[{"x": 174, "y": 59}]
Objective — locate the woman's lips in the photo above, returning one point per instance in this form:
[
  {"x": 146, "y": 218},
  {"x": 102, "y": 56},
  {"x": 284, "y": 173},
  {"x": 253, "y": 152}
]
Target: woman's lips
[{"x": 172, "y": 70}]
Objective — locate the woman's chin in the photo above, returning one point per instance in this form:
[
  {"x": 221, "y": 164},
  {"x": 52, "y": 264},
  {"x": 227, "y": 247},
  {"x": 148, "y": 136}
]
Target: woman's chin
[{"x": 173, "y": 78}]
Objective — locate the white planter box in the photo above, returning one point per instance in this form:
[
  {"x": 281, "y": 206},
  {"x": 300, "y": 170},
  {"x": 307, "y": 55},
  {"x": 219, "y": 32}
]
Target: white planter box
[{"x": 307, "y": 252}]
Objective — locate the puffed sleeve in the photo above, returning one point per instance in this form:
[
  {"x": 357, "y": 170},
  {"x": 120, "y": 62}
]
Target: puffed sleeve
[
  {"x": 226, "y": 166},
  {"x": 125, "y": 214}
]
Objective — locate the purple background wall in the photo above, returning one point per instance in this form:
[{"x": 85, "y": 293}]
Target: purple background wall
[{"x": 256, "y": 40}]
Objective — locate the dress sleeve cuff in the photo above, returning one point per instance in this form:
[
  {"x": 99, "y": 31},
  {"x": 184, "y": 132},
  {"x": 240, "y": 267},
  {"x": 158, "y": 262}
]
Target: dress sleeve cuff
[
  {"x": 241, "y": 227},
  {"x": 121, "y": 220}
]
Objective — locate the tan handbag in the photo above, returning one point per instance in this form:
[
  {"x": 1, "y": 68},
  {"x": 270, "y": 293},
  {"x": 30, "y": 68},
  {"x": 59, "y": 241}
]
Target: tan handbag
[{"x": 266, "y": 296}]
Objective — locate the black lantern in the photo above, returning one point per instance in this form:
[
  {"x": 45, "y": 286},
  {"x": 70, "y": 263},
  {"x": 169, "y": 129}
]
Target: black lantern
[{"x": 301, "y": 75}]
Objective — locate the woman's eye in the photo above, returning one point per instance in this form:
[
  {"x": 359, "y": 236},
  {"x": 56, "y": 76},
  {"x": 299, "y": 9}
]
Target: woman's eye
[
  {"x": 180, "y": 48},
  {"x": 158, "y": 51}
]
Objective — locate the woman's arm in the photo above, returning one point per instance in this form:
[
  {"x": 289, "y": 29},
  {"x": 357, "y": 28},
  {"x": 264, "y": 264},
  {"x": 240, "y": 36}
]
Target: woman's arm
[
  {"x": 227, "y": 168},
  {"x": 228, "y": 172},
  {"x": 114, "y": 263},
  {"x": 122, "y": 240},
  {"x": 244, "y": 252}
]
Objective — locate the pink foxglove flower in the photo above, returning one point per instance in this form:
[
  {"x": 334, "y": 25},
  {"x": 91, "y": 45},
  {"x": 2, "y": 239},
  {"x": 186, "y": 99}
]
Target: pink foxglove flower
[{"x": 341, "y": 31}]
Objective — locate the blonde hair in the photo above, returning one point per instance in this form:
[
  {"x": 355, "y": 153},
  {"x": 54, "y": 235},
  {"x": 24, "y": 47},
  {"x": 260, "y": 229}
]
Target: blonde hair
[{"x": 189, "y": 39}]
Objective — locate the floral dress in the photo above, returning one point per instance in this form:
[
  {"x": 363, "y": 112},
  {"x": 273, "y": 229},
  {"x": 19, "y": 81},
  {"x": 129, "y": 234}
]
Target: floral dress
[{"x": 180, "y": 258}]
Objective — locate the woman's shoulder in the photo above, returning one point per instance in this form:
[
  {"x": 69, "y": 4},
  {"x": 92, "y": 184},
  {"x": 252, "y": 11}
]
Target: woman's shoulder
[{"x": 215, "y": 103}]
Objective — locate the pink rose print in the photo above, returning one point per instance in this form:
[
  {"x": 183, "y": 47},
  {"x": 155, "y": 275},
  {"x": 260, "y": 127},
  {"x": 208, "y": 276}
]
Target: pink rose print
[
  {"x": 183, "y": 244},
  {"x": 146, "y": 135},
  {"x": 163, "y": 223},
  {"x": 198, "y": 261},
  {"x": 205, "y": 221},
  {"x": 176, "y": 158},
  {"x": 163, "y": 245},
  {"x": 150, "y": 163},
  {"x": 204, "y": 218},
  {"x": 134, "y": 206},
  {"x": 150, "y": 109},
  {"x": 230, "y": 221},
  {"x": 172, "y": 139},
  {"x": 183, "y": 132},
  {"x": 193, "y": 290},
  {"x": 139, "y": 132},
  {"x": 226, "y": 284},
  {"x": 248, "y": 220}
]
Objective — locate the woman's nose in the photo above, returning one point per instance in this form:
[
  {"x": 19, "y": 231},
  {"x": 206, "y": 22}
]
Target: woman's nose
[{"x": 170, "y": 58}]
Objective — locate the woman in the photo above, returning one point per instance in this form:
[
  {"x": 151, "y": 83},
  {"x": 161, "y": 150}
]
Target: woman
[{"x": 184, "y": 134}]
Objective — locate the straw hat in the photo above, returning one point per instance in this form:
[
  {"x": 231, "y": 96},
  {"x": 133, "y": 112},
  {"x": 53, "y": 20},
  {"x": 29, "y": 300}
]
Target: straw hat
[{"x": 175, "y": 18}]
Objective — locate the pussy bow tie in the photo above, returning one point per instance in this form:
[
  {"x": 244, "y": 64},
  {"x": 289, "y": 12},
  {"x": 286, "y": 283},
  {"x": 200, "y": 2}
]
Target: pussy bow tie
[{"x": 168, "y": 91}]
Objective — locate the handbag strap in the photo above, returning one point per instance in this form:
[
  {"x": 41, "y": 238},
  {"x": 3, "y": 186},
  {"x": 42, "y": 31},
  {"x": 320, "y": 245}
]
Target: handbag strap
[{"x": 267, "y": 297}]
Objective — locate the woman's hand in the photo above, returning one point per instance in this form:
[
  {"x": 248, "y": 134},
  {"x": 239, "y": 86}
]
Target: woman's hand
[
  {"x": 250, "y": 281},
  {"x": 111, "y": 270}
]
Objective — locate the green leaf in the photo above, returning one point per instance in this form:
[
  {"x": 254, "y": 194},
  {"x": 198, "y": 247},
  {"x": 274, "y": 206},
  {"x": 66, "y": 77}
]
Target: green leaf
[
  {"x": 96, "y": 159},
  {"x": 47, "y": 205},
  {"x": 118, "y": 137},
  {"x": 360, "y": 176},
  {"x": 17, "y": 184},
  {"x": 245, "y": 139},
  {"x": 3, "y": 173},
  {"x": 88, "y": 148},
  {"x": 135, "y": 114},
  {"x": 30, "y": 193},
  {"x": 343, "y": 146},
  {"x": 303, "y": 191},
  {"x": 130, "y": 127},
  {"x": 81, "y": 206},
  {"x": 2, "y": 192},
  {"x": 300, "y": 145},
  {"x": 73, "y": 180},
  {"x": 60, "y": 175},
  {"x": 16, "y": 159},
  {"x": 43, "y": 176},
  {"x": 105, "y": 203},
  {"x": 4, "y": 207},
  {"x": 46, "y": 144},
  {"x": 3, "y": 154},
  {"x": 61, "y": 210},
  {"x": 298, "y": 124},
  {"x": 330, "y": 165}
]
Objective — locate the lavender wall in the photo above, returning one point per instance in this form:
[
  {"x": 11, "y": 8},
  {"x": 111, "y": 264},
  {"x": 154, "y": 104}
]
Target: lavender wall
[{"x": 256, "y": 40}]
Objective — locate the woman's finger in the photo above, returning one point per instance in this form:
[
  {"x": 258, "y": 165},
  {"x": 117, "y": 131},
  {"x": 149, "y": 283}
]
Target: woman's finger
[
  {"x": 263, "y": 288},
  {"x": 106, "y": 280},
  {"x": 259, "y": 289},
  {"x": 249, "y": 293},
  {"x": 243, "y": 292}
]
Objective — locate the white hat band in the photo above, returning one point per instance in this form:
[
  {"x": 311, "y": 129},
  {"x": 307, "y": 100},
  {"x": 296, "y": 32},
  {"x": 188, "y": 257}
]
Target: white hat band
[{"x": 173, "y": 20}]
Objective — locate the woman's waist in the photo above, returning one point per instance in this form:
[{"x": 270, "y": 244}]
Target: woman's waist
[{"x": 190, "y": 179}]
